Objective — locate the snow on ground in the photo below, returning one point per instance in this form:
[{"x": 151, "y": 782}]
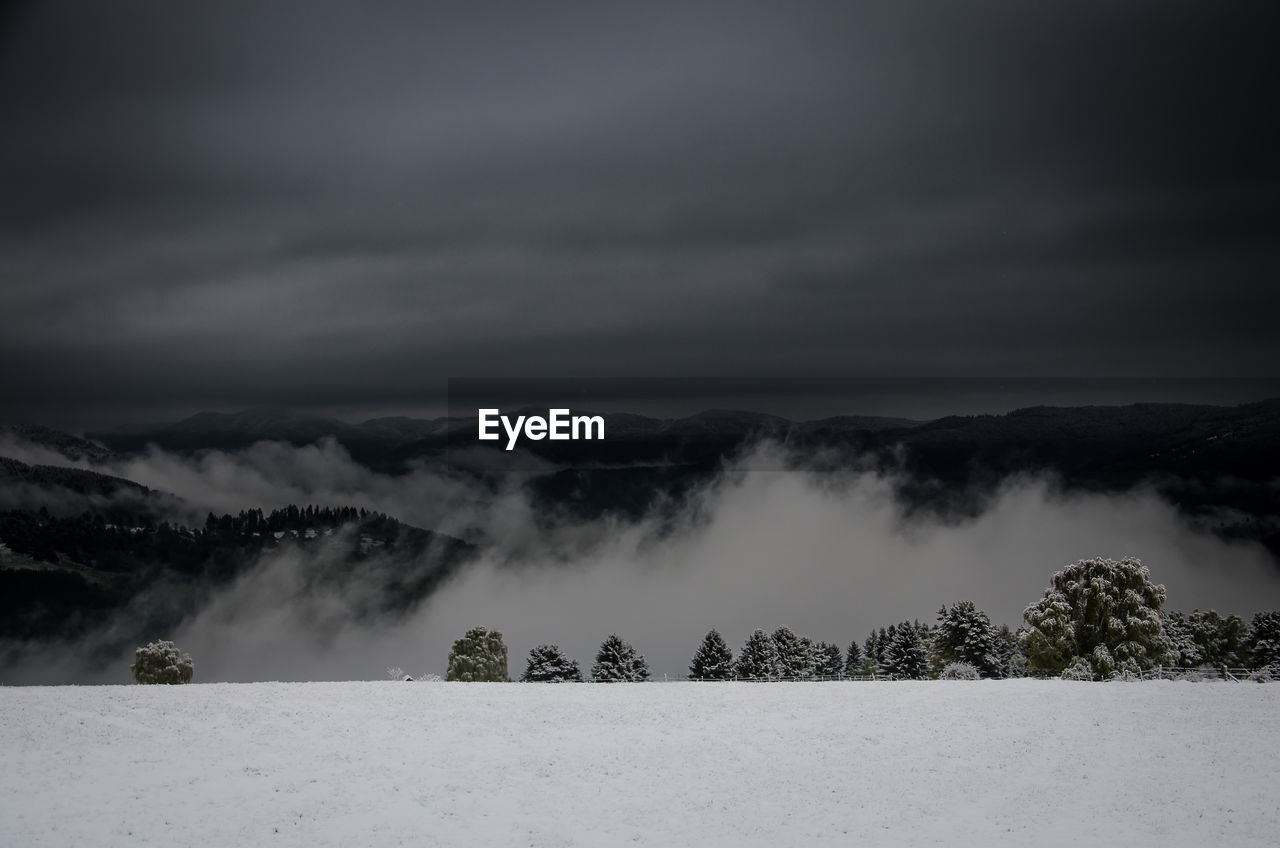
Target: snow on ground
[{"x": 372, "y": 764}]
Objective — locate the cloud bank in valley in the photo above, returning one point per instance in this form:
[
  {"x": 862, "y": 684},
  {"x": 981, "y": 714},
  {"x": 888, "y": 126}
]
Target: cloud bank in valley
[{"x": 831, "y": 556}]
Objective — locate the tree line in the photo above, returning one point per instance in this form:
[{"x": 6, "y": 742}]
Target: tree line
[{"x": 1099, "y": 619}]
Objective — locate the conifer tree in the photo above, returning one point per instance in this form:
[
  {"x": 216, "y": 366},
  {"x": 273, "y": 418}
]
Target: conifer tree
[
  {"x": 829, "y": 661},
  {"x": 906, "y": 657},
  {"x": 1105, "y": 611},
  {"x": 548, "y": 664},
  {"x": 480, "y": 656},
  {"x": 965, "y": 635},
  {"x": 1263, "y": 647},
  {"x": 1185, "y": 650},
  {"x": 853, "y": 660},
  {"x": 618, "y": 662},
  {"x": 1013, "y": 662},
  {"x": 714, "y": 659},
  {"x": 162, "y": 662},
  {"x": 759, "y": 658},
  {"x": 1221, "y": 641},
  {"x": 873, "y": 649},
  {"x": 794, "y": 660}
]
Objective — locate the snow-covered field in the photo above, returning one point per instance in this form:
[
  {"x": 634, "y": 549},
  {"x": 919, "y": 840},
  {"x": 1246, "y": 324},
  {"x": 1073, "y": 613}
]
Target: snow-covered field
[{"x": 369, "y": 764}]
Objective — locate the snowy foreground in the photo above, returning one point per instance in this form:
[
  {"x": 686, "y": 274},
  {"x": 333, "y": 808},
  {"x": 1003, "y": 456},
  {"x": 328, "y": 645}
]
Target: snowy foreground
[{"x": 369, "y": 764}]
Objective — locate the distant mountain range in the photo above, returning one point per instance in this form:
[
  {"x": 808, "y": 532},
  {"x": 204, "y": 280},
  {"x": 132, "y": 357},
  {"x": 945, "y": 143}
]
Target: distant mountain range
[
  {"x": 1194, "y": 451},
  {"x": 70, "y": 447},
  {"x": 1219, "y": 464},
  {"x": 1094, "y": 440},
  {"x": 233, "y": 431},
  {"x": 62, "y": 576},
  {"x": 385, "y": 441}
]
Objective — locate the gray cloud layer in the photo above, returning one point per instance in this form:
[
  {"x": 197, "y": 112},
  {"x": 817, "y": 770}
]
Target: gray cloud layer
[{"x": 234, "y": 205}]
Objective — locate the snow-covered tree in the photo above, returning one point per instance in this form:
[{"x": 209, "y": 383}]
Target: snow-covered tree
[
  {"x": 1220, "y": 639},
  {"x": 713, "y": 661},
  {"x": 480, "y": 656},
  {"x": 1182, "y": 640},
  {"x": 1013, "y": 661},
  {"x": 960, "y": 671},
  {"x": 828, "y": 661},
  {"x": 618, "y": 662},
  {"x": 162, "y": 662},
  {"x": 1104, "y": 610},
  {"x": 759, "y": 658},
  {"x": 874, "y": 650},
  {"x": 906, "y": 657},
  {"x": 548, "y": 664},
  {"x": 1263, "y": 646},
  {"x": 809, "y": 659},
  {"x": 853, "y": 660},
  {"x": 795, "y": 658},
  {"x": 965, "y": 635}
]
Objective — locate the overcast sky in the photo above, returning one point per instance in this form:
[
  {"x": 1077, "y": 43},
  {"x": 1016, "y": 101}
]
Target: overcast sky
[{"x": 222, "y": 205}]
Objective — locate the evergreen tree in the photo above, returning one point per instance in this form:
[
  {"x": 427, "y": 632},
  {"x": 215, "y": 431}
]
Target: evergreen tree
[
  {"x": 162, "y": 662},
  {"x": 1105, "y": 611},
  {"x": 618, "y": 662},
  {"x": 874, "y": 648},
  {"x": 548, "y": 664},
  {"x": 713, "y": 661},
  {"x": 794, "y": 657},
  {"x": 1263, "y": 646},
  {"x": 1221, "y": 641},
  {"x": 1013, "y": 662},
  {"x": 759, "y": 658},
  {"x": 480, "y": 656},
  {"x": 853, "y": 660},
  {"x": 829, "y": 664},
  {"x": 906, "y": 657},
  {"x": 1185, "y": 649},
  {"x": 809, "y": 659},
  {"x": 965, "y": 635}
]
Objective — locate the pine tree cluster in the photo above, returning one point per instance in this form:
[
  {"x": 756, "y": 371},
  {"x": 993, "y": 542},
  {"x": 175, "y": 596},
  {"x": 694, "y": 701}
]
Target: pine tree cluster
[{"x": 1099, "y": 619}]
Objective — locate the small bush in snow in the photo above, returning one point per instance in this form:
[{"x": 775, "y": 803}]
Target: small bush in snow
[
  {"x": 1266, "y": 674},
  {"x": 960, "y": 671},
  {"x": 162, "y": 662},
  {"x": 1079, "y": 669},
  {"x": 1126, "y": 671}
]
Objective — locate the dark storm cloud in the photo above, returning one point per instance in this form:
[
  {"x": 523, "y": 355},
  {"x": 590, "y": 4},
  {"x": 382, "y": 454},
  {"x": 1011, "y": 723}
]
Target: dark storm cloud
[{"x": 222, "y": 205}]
